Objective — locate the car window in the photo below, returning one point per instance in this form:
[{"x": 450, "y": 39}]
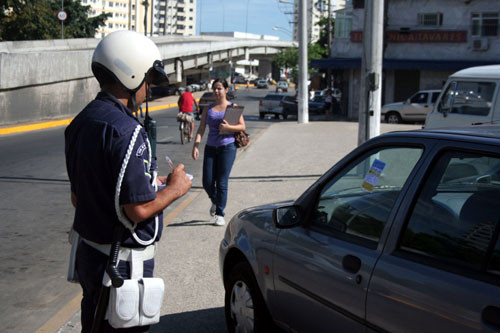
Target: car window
[
  {"x": 435, "y": 96},
  {"x": 356, "y": 204},
  {"x": 455, "y": 219},
  {"x": 420, "y": 98},
  {"x": 466, "y": 97},
  {"x": 318, "y": 99}
]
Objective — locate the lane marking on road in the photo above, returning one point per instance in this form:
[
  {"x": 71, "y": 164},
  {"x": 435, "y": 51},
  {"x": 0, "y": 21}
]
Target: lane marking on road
[
  {"x": 63, "y": 316},
  {"x": 62, "y": 122},
  {"x": 173, "y": 214},
  {"x": 69, "y": 310}
]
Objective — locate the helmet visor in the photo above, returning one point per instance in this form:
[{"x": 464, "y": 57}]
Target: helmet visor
[{"x": 156, "y": 74}]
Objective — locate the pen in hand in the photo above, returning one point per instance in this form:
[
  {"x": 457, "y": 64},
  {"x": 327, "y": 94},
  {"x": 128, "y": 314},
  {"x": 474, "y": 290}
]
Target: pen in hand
[{"x": 171, "y": 164}]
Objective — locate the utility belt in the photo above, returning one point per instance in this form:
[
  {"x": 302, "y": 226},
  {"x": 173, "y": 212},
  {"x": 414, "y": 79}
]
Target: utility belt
[{"x": 125, "y": 253}]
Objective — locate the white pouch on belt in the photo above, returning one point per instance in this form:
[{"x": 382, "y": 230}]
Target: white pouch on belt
[{"x": 136, "y": 303}]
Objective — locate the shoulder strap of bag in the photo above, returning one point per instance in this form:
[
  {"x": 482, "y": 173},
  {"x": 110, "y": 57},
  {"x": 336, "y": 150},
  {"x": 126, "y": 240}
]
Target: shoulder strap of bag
[{"x": 119, "y": 209}]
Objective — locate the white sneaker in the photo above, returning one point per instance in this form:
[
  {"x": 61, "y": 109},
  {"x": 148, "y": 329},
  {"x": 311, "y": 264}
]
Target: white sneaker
[
  {"x": 212, "y": 210},
  {"x": 219, "y": 220}
]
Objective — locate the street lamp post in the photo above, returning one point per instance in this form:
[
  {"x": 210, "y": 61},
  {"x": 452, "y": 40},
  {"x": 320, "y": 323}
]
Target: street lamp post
[{"x": 276, "y": 28}]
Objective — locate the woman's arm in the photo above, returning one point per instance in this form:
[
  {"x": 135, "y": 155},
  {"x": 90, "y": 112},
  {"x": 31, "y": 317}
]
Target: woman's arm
[
  {"x": 240, "y": 126},
  {"x": 199, "y": 134}
]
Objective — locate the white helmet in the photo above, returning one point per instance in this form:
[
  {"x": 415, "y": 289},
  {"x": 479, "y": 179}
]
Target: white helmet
[{"x": 129, "y": 57}]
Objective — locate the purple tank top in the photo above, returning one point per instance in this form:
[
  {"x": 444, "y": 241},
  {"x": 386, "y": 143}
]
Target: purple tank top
[{"x": 214, "y": 118}]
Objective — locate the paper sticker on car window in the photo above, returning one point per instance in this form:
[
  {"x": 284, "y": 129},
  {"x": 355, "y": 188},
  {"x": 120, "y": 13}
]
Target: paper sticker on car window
[{"x": 373, "y": 175}]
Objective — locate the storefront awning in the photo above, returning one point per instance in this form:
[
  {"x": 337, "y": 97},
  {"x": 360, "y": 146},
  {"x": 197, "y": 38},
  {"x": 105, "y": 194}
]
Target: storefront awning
[{"x": 400, "y": 64}]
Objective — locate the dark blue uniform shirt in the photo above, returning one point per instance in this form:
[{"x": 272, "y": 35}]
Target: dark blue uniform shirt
[{"x": 96, "y": 143}]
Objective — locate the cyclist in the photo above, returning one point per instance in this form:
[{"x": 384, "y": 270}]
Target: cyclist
[{"x": 185, "y": 103}]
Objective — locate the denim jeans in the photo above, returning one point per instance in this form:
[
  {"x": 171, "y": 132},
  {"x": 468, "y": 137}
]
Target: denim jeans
[{"x": 217, "y": 164}]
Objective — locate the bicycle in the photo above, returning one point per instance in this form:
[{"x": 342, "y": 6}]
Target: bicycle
[{"x": 185, "y": 120}]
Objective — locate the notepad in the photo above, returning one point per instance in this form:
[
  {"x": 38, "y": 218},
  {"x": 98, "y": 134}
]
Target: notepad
[{"x": 232, "y": 116}]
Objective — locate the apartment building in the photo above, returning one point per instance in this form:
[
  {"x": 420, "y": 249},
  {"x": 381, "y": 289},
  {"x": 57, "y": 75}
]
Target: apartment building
[
  {"x": 153, "y": 17},
  {"x": 425, "y": 42},
  {"x": 316, "y": 9}
]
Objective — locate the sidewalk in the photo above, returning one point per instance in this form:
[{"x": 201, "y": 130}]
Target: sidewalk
[{"x": 281, "y": 162}]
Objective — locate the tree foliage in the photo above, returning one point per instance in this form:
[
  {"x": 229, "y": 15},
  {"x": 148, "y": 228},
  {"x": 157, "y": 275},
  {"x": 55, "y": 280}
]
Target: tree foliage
[
  {"x": 37, "y": 19},
  {"x": 289, "y": 58}
]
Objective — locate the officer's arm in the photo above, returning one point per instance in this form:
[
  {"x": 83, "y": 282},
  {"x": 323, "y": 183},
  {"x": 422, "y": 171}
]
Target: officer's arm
[{"x": 178, "y": 185}]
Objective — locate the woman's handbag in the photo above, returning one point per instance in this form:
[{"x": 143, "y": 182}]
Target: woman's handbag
[{"x": 241, "y": 139}]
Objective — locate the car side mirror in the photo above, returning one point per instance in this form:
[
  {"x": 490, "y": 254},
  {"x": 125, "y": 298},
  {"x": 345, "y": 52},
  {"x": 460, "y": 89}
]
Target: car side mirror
[{"x": 286, "y": 217}]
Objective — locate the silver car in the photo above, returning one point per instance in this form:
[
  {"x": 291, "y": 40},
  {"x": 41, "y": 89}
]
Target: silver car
[
  {"x": 271, "y": 104},
  {"x": 414, "y": 109},
  {"x": 402, "y": 235}
]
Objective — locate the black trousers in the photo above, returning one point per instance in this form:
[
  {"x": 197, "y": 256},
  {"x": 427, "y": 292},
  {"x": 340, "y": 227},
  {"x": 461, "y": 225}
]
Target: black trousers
[{"x": 90, "y": 266}]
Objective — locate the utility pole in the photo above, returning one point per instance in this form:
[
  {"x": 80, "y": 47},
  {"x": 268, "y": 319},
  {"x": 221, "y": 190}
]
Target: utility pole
[
  {"x": 329, "y": 45},
  {"x": 371, "y": 71},
  {"x": 303, "y": 98}
]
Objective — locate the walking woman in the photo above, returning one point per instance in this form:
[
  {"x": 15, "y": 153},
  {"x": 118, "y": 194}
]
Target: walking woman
[{"x": 220, "y": 150}]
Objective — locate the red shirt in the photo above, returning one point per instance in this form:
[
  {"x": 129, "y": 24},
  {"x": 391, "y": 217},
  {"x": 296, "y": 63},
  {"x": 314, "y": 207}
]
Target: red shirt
[{"x": 186, "y": 102}]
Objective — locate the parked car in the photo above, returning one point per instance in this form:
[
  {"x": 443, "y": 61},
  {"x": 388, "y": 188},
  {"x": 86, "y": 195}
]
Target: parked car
[
  {"x": 282, "y": 86},
  {"x": 316, "y": 106},
  {"x": 470, "y": 96},
  {"x": 261, "y": 84},
  {"x": 414, "y": 109},
  {"x": 401, "y": 235},
  {"x": 272, "y": 104}
]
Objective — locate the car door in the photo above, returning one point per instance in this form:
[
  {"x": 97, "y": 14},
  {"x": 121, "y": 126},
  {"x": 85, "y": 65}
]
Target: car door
[
  {"x": 417, "y": 107},
  {"x": 440, "y": 270},
  {"x": 322, "y": 268},
  {"x": 464, "y": 102}
]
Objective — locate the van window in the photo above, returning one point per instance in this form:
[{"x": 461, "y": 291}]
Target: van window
[{"x": 465, "y": 97}]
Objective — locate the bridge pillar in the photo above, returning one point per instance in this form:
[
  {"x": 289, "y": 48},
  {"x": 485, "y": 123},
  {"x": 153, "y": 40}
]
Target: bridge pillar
[{"x": 265, "y": 68}]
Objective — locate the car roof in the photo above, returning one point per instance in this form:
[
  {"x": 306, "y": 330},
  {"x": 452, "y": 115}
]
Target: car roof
[
  {"x": 485, "y": 72},
  {"x": 467, "y": 133}
]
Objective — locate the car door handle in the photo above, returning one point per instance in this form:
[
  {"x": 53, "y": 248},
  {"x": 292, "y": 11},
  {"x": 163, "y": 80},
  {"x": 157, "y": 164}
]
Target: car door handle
[
  {"x": 491, "y": 315},
  {"x": 351, "y": 263}
]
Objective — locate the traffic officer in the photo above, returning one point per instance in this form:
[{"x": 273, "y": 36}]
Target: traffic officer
[{"x": 96, "y": 142}]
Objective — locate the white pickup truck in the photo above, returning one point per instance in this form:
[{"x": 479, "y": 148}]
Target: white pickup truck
[{"x": 414, "y": 109}]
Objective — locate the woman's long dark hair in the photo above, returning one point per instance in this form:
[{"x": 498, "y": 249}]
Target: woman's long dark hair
[{"x": 222, "y": 81}]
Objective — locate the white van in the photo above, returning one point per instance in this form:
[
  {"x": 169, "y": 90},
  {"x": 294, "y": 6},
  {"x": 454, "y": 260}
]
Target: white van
[{"x": 470, "y": 97}]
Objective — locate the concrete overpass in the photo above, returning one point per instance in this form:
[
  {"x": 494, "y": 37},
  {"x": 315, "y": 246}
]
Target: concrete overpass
[{"x": 52, "y": 79}]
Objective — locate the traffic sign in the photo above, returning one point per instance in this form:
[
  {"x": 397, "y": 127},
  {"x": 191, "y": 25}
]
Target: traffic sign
[{"x": 62, "y": 15}]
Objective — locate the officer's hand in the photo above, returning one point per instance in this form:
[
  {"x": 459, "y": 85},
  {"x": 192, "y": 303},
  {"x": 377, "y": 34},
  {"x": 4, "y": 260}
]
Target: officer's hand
[
  {"x": 161, "y": 180},
  {"x": 178, "y": 180}
]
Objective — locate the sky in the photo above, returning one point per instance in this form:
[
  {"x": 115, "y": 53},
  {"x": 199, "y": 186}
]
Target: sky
[{"x": 232, "y": 15}]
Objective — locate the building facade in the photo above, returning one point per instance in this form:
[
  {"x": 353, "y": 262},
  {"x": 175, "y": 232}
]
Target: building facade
[
  {"x": 152, "y": 17},
  {"x": 316, "y": 9},
  {"x": 425, "y": 41}
]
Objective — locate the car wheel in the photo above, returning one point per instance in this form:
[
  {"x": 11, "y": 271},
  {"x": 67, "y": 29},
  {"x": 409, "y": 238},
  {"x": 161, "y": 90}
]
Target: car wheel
[
  {"x": 261, "y": 115},
  {"x": 393, "y": 118},
  {"x": 244, "y": 305},
  {"x": 285, "y": 115}
]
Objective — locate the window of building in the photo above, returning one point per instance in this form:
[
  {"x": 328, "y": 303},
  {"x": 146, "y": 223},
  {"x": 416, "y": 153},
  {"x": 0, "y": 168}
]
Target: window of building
[
  {"x": 180, "y": 9},
  {"x": 110, "y": 3},
  {"x": 110, "y": 25},
  {"x": 430, "y": 19},
  {"x": 180, "y": 26},
  {"x": 484, "y": 24},
  {"x": 343, "y": 25},
  {"x": 455, "y": 219}
]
